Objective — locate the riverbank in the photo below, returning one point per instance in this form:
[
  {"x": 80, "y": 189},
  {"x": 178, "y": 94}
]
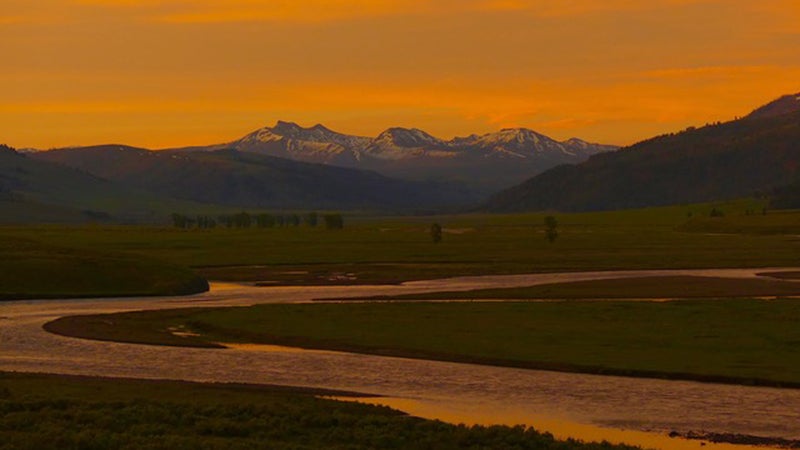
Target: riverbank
[{"x": 770, "y": 284}]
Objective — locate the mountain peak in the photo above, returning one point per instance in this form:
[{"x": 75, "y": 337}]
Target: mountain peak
[
  {"x": 783, "y": 105},
  {"x": 408, "y": 137},
  {"x": 291, "y": 130},
  {"x": 6, "y": 148},
  {"x": 321, "y": 127},
  {"x": 283, "y": 128},
  {"x": 518, "y": 136}
]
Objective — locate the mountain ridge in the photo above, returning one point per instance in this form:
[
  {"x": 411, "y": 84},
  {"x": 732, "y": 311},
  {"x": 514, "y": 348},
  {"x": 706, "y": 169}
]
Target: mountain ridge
[
  {"x": 235, "y": 178},
  {"x": 409, "y": 138},
  {"x": 783, "y": 105},
  {"x": 750, "y": 156},
  {"x": 33, "y": 190}
]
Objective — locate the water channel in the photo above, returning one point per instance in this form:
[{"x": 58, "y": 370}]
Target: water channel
[{"x": 640, "y": 411}]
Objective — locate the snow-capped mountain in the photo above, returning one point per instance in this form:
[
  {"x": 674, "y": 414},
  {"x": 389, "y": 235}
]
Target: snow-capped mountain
[
  {"x": 407, "y": 137},
  {"x": 315, "y": 144},
  {"x": 491, "y": 161},
  {"x": 404, "y": 143},
  {"x": 518, "y": 143},
  {"x": 317, "y": 133},
  {"x": 27, "y": 151},
  {"x": 522, "y": 143}
]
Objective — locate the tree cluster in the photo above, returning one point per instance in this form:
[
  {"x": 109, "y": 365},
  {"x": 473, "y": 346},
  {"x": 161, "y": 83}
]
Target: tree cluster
[
  {"x": 260, "y": 220},
  {"x": 716, "y": 213},
  {"x": 333, "y": 221}
]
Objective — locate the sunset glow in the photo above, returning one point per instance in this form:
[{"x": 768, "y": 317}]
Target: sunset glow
[{"x": 185, "y": 72}]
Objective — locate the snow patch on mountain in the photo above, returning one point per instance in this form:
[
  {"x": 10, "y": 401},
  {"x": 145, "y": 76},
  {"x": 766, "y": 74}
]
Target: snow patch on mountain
[
  {"x": 405, "y": 143},
  {"x": 411, "y": 146},
  {"x": 291, "y": 131}
]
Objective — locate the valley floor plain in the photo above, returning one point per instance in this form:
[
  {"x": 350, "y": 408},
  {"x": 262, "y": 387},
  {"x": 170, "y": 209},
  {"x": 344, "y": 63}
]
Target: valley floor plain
[
  {"x": 391, "y": 250},
  {"x": 722, "y": 339}
]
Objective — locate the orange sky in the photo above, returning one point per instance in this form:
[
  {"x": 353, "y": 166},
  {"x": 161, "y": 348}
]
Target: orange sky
[{"x": 160, "y": 73}]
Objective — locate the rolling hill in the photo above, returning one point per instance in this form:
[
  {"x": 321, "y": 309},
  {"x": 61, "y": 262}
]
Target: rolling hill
[
  {"x": 32, "y": 190},
  {"x": 243, "y": 179},
  {"x": 752, "y": 155}
]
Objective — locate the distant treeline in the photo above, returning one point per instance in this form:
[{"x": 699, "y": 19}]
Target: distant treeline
[{"x": 261, "y": 220}]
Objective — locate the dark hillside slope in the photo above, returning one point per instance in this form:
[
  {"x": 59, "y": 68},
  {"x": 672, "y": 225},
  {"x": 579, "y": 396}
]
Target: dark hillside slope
[
  {"x": 242, "y": 179},
  {"x": 32, "y": 190},
  {"x": 786, "y": 197},
  {"x": 784, "y": 105},
  {"x": 716, "y": 162}
]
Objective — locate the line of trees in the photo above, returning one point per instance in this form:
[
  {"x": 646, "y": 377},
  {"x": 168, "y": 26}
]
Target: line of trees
[{"x": 244, "y": 219}]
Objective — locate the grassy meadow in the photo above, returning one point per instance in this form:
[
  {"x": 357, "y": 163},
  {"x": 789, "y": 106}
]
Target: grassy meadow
[
  {"x": 395, "y": 249},
  {"x": 33, "y": 269},
  {"x": 743, "y": 341},
  {"x": 47, "y": 411}
]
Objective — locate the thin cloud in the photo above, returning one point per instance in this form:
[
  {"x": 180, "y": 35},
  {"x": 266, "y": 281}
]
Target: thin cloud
[
  {"x": 566, "y": 8},
  {"x": 11, "y": 20},
  {"x": 704, "y": 72},
  {"x": 310, "y": 11},
  {"x": 787, "y": 13},
  {"x": 315, "y": 11}
]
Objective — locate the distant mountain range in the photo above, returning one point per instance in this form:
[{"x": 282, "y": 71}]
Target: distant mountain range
[
  {"x": 482, "y": 164},
  {"x": 291, "y": 167},
  {"x": 756, "y": 154},
  {"x": 408, "y": 170}
]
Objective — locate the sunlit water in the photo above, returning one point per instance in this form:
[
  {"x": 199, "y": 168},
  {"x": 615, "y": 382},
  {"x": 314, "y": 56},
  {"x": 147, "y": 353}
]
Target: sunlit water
[{"x": 584, "y": 406}]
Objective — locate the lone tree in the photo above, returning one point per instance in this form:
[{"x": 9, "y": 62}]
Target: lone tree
[
  {"x": 180, "y": 221},
  {"x": 436, "y": 233},
  {"x": 265, "y": 220},
  {"x": 550, "y": 228},
  {"x": 333, "y": 221},
  {"x": 312, "y": 219}
]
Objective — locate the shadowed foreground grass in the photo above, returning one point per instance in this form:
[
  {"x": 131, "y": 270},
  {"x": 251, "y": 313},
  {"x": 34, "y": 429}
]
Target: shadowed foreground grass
[
  {"x": 57, "y": 412},
  {"x": 740, "y": 341}
]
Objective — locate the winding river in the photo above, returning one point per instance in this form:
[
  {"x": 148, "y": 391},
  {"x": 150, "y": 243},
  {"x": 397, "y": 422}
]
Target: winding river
[{"x": 634, "y": 410}]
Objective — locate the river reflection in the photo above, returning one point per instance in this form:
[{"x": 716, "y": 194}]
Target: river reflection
[
  {"x": 561, "y": 428},
  {"x": 566, "y": 404}
]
